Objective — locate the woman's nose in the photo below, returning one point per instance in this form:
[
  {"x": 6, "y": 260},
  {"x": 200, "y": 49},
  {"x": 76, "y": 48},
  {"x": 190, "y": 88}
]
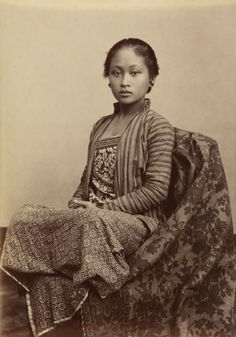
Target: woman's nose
[{"x": 125, "y": 80}]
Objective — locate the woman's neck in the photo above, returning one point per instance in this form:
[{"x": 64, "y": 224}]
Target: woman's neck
[{"x": 128, "y": 110}]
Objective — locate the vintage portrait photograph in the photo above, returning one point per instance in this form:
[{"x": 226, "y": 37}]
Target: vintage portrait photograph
[{"x": 118, "y": 161}]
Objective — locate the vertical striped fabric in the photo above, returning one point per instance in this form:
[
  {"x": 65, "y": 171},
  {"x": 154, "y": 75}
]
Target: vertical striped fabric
[{"x": 143, "y": 164}]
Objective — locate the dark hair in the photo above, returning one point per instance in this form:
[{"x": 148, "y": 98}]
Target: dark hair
[{"x": 141, "y": 48}]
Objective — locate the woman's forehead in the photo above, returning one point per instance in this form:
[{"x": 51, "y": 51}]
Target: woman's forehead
[{"x": 127, "y": 56}]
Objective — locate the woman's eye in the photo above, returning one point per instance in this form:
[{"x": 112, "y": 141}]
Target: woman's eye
[
  {"x": 116, "y": 73},
  {"x": 135, "y": 72}
]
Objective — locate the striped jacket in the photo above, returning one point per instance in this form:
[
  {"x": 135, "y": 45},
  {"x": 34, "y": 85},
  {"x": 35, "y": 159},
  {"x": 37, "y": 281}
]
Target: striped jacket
[{"x": 143, "y": 164}]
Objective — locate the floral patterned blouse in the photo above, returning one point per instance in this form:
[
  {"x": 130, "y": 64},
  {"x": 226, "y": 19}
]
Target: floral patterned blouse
[{"x": 101, "y": 186}]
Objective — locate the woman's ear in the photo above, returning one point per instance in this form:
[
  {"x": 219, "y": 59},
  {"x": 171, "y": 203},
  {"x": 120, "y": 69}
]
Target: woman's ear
[
  {"x": 152, "y": 81},
  {"x": 151, "y": 84}
]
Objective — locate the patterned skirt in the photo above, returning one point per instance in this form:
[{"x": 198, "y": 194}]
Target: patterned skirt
[{"x": 57, "y": 254}]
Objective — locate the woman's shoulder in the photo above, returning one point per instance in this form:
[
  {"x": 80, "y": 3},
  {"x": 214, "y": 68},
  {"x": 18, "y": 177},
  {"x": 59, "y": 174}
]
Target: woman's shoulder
[
  {"x": 155, "y": 119},
  {"x": 101, "y": 120}
]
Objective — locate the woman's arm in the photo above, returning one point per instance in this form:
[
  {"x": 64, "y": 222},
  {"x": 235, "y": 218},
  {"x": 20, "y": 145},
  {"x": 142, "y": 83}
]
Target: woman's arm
[
  {"x": 79, "y": 193},
  {"x": 157, "y": 176},
  {"x": 78, "y": 197},
  {"x": 77, "y": 200}
]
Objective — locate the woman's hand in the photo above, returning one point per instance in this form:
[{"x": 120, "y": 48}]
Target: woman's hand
[{"x": 77, "y": 203}]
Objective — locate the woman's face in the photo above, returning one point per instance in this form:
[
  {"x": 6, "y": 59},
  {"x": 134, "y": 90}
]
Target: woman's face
[{"x": 128, "y": 76}]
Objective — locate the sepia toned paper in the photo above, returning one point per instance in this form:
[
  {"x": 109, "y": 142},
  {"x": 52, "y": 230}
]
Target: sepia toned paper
[{"x": 52, "y": 88}]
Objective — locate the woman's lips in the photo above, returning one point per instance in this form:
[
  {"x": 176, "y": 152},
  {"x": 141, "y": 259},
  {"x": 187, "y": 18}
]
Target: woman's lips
[{"x": 125, "y": 93}]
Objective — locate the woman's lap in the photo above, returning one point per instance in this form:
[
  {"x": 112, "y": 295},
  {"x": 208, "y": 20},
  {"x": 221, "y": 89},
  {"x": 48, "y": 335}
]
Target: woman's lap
[
  {"x": 44, "y": 222},
  {"x": 56, "y": 254},
  {"x": 129, "y": 230},
  {"x": 88, "y": 241}
]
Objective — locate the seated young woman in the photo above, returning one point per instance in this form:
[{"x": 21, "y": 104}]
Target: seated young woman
[{"x": 56, "y": 255}]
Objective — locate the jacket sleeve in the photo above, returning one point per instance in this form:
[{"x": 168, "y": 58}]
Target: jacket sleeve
[
  {"x": 156, "y": 179},
  {"x": 79, "y": 193}
]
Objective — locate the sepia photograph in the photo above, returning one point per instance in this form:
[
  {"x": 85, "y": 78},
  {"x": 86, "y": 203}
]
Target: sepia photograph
[{"x": 117, "y": 168}]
